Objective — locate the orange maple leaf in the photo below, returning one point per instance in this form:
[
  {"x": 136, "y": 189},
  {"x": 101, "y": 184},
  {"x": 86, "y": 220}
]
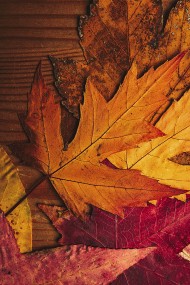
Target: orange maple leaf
[{"x": 77, "y": 174}]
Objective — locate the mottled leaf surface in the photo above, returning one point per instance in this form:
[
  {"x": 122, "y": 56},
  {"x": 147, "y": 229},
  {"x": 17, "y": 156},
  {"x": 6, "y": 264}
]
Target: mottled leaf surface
[
  {"x": 110, "y": 36},
  {"x": 70, "y": 80},
  {"x": 113, "y": 35}
]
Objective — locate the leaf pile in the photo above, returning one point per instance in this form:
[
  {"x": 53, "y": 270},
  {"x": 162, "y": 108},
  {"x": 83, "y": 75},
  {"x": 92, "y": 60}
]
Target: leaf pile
[{"x": 131, "y": 146}]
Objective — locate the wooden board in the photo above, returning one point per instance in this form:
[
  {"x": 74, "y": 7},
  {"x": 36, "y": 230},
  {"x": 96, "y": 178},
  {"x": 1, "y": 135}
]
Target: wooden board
[{"x": 29, "y": 32}]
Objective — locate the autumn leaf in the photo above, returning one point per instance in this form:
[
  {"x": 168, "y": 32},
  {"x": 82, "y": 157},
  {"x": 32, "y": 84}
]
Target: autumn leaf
[
  {"x": 107, "y": 39},
  {"x": 165, "y": 226},
  {"x": 173, "y": 40},
  {"x": 75, "y": 264},
  {"x": 11, "y": 190},
  {"x": 154, "y": 159},
  {"x": 116, "y": 33},
  {"x": 77, "y": 174},
  {"x": 70, "y": 80},
  {"x": 176, "y": 38}
]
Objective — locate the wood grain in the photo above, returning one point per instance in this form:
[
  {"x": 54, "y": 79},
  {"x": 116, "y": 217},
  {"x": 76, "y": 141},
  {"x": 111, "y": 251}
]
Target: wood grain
[{"x": 29, "y": 32}]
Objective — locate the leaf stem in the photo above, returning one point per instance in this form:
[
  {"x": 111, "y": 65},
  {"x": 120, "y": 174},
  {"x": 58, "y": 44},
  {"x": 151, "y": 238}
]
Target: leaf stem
[{"x": 38, "y": 182}]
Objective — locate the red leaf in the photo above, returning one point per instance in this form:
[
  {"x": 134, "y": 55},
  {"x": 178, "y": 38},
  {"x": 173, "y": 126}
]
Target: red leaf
[
  {"x": 71, "y": 265},
  {"x": 165, "y": 225}
]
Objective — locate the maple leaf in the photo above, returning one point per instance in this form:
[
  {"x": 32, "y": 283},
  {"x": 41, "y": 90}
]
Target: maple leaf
[
  {"x": 165, "y": 226},
  {"x": 116, "y": 33},
  {"x": 155, "y": 158},
  {"x": 74, "y": 265},
  {"x": 11, "y": 190},
  {"x": 77, "y": 174}
]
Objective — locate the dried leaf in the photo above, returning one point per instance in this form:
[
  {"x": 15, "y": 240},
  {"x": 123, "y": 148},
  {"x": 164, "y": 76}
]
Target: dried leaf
[
  {"x": 77, "y": 174},
  {"x": 109, "y": 37},
  {"x": 113, "y": 35},
  {"x": 165, "y": 225},
  {"x": 174, "y": 39},
  {"x": 154, "y": 158},
  {"x": 11, "y": 190},
  {"x": 70, "y": 79},
  {"x": 76, "y": 264}
]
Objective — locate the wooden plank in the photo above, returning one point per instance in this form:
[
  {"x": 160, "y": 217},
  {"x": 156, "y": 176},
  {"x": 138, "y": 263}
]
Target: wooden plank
[
  {"x": 37, "y": 42},
  {"x": 39, "y": 33},
  {"x": 15, "y": 52},
  {"x": 33, "y": 21},
  {"x": 42, "y": 8}
]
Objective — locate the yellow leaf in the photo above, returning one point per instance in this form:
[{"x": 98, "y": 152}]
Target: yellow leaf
[
  {"x": 153, "y": 158},
  {"x": 11, "y": 190}
]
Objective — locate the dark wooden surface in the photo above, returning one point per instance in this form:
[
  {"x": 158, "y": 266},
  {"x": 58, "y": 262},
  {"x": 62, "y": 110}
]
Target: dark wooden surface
[{"x": 29, "y": 32}]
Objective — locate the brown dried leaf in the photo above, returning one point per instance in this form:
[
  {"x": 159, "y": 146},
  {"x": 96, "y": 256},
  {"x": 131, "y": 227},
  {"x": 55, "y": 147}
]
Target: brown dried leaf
[
  {"x": 113, "y": 36},
  {"x": 110, "y": 37}
]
